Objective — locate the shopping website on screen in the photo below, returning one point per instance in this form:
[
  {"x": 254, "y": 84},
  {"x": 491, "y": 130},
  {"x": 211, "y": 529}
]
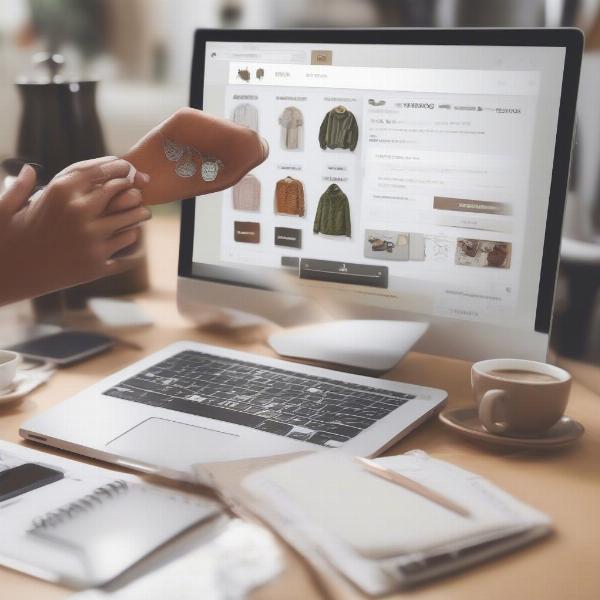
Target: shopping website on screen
[{"x": 419, "y": 188}]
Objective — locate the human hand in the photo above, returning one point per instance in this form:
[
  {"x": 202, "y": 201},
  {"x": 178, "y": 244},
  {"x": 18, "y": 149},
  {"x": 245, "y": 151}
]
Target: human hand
[
  {"x": 129, "y": 198},
  {"x": 72, "y": 231}
]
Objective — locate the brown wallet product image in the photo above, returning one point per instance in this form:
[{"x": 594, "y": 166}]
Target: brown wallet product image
[
  {"x": 246, "y": 231},
  {"x": 288, "y": 236},
  {"x": 386, "y": 245},
  {"x": 193, "y": 153},
  {"x": 483, "y": 253}
]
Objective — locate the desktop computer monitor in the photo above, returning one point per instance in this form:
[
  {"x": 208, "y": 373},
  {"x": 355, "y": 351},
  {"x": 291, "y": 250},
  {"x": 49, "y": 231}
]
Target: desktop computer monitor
[{"x": 413, "y": 175}]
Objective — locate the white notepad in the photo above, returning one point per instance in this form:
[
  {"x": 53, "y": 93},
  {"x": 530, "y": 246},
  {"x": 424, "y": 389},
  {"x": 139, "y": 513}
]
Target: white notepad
[
  {"x": 92, "y": 524},
  {"x": 382, "y": 535}
]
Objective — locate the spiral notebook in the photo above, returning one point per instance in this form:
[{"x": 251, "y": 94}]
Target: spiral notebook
[{"x": 92, "y": 524}]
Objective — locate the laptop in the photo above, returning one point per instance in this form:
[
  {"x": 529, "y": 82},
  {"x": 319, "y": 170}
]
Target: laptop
[
  {"x": 192, "y": 403},
  {"x": 406, "y": 140}
]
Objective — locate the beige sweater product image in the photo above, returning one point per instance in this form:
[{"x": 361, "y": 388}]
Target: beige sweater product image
[
  {"x": 292, "y": 122},
  {"x": 247, "y": 115},
  {"x": 246, "y": 194}
]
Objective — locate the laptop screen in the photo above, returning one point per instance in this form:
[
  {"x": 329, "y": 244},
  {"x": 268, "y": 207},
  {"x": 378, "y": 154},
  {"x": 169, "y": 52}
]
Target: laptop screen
[{"x": 414, "y": 178}]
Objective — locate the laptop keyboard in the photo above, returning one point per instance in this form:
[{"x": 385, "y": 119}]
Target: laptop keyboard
[{"x": 304, "y": 407}]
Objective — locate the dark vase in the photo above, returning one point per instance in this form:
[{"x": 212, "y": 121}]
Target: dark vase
[{"x": 59, "y": 126}]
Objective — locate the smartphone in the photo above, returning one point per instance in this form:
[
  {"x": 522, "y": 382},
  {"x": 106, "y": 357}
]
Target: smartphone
[
  {"x": 64, "y": 347},
  {"x": 25, "y": 478}
]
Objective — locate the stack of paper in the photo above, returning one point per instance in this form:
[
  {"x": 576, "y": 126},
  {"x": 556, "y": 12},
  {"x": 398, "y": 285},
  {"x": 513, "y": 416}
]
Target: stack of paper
[
  {"x": 240, "y": 558},
  {"x": 381, "y": 535}
]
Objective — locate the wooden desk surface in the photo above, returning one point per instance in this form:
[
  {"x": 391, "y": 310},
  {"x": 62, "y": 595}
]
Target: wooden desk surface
[{"x": 565, "y": 484}]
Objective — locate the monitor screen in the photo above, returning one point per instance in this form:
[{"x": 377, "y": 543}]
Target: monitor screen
[{"x": 410, "y": 177}]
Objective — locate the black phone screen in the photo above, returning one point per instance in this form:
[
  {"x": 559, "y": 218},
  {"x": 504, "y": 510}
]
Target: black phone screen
[
  {"x": 25, "y": 478},
  {"x": 64, "y": 346}
]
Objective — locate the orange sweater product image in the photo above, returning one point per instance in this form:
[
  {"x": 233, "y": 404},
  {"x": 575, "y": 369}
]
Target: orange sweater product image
[{"x": 289, "y": 197}]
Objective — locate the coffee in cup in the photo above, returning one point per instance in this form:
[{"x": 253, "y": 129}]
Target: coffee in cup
[
  {"x": 522, "y": 375},
  {"x": 519, "y": 397}
]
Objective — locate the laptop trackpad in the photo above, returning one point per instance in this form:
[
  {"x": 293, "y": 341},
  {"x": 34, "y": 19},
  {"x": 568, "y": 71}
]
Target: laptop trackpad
[{"x": 176, "y": 445}]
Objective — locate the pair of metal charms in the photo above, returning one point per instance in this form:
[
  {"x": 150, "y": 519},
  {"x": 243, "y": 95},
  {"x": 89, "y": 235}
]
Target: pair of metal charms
[{"x": 187, "y": 158}]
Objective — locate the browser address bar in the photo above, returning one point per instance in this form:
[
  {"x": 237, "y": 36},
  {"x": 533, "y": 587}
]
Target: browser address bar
[{"x": 257, "y": 56}]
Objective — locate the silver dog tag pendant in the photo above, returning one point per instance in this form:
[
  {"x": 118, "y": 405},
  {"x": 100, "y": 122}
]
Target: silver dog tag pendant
[
  {"x": 210, "y": 170},
  {"x": 186, "y": 167},
  {"x": 172, "y": 150}
]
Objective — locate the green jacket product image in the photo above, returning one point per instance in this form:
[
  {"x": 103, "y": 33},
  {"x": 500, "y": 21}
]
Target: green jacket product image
[
  {"x": 333, "y": 213},
  {"x": 339, "y": 129}
]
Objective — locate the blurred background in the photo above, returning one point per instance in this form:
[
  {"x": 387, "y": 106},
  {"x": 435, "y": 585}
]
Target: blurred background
[{"x": 140, "y": 52}]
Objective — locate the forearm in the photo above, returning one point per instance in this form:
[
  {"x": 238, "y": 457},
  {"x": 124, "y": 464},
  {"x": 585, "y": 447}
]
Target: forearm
[
  {"x": 24, "y": 273},
  {"x": 20, "y": 279},
  {"x": 30, "y": 275}
]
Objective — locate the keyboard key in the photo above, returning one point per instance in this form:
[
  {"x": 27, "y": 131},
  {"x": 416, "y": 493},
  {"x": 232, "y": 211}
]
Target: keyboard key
[
  {"x": 358, "y": 421},
  {"x": 323, "y": 439},
  {"x": 215, "y": 412},
  {"x": 337, "y": 428},
  {"x": 275, "y": 427},
  {"x": 300, "y": 435}
]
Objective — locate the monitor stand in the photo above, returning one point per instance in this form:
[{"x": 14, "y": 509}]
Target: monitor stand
[{"x": 356, "y": 345}]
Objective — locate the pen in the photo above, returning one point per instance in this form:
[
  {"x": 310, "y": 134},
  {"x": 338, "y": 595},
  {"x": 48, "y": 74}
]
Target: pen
[{"x": 411, "y": 485}]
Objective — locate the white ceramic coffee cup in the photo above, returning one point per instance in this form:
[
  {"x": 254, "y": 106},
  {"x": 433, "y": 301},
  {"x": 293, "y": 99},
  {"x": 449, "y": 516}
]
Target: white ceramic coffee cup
[
  {"x": 9, "y": 361},
  {"x": 508, "y": 405}
]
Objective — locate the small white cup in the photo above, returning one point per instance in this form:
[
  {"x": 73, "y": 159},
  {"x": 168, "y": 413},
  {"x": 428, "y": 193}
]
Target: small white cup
[{"x": 9, "y": 361}]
